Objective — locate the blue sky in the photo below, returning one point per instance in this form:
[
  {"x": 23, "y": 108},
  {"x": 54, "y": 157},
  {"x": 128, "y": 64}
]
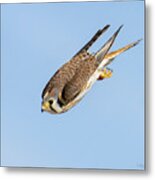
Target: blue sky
[{"x": 106, "y": 129}]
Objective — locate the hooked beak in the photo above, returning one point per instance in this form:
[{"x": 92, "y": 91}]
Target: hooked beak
[{"x": 45, "y": 106}]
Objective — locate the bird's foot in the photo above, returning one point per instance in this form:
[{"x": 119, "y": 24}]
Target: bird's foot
[{"x": 105, "y": 73}]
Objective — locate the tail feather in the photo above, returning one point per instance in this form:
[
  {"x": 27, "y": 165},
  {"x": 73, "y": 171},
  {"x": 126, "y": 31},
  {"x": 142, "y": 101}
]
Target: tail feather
[{"x": 110, "y": 56}]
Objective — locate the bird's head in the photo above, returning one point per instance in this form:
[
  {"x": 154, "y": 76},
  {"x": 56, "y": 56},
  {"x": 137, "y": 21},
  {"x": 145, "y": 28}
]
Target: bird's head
[{"x": 50, "y": 102}]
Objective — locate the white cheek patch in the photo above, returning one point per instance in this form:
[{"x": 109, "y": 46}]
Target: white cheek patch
[{"x": 56, "y": 106}]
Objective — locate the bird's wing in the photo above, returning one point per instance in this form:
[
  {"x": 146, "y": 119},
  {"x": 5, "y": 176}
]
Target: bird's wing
[
  {"x": 93, "y": 39},
  {"x": 79, "y": 80},
  {"x": 66, "y": 72},
  {"x": 85, "y": 70},
  {"x": 100, "y": 54}
]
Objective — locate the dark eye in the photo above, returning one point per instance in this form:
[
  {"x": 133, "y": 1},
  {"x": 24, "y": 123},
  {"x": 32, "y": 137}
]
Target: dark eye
[{"x": 51, "y": 102}]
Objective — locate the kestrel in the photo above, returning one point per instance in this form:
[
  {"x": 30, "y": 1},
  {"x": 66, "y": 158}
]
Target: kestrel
[{"x": 73, "y": 80}]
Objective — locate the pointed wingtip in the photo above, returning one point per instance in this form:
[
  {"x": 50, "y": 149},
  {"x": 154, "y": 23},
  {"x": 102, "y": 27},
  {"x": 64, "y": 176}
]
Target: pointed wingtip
[
  {"x": 105, "y": 28},
  {"x": 121, "y": 26},
  {"x": 105, "y": 48},
  {"x": 118, "y": 30}
]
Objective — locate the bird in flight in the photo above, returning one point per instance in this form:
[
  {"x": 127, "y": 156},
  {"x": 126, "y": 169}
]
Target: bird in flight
[{"x": 73, "y": 80}]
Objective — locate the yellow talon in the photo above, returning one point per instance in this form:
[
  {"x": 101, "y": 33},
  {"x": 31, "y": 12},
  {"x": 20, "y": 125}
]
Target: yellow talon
[{"x": 106, "y": 73}]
